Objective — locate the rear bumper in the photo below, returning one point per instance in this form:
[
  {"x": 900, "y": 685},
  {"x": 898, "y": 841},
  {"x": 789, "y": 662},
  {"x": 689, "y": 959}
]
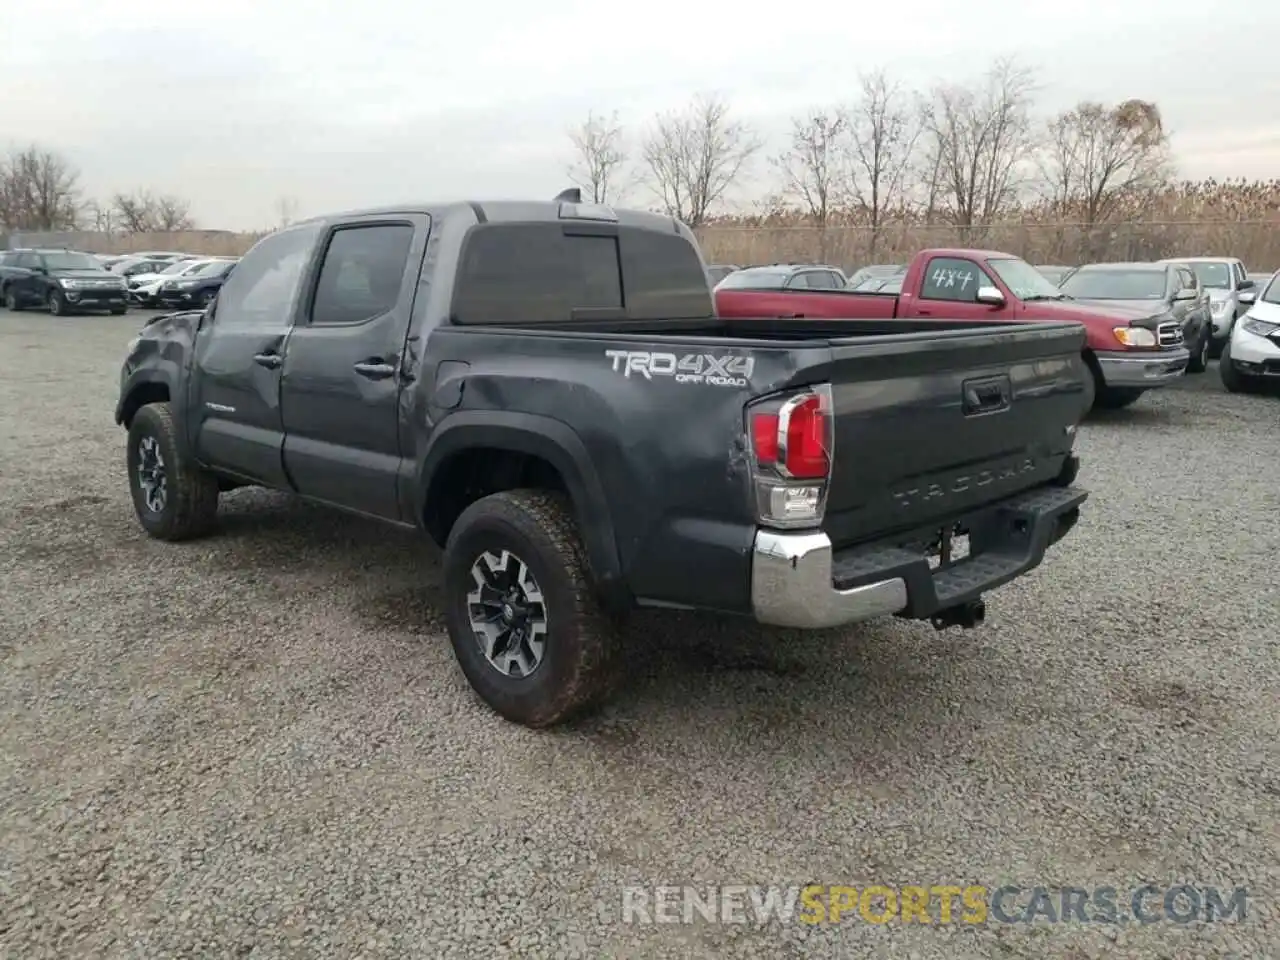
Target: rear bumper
[
  {"x": 1142, "y": 370},
  {"x": 799, "y": 580}
]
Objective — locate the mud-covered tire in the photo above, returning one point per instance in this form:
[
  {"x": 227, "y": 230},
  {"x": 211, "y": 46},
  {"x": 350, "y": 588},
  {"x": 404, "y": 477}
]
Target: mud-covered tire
[
  {"x": 580, "y": 646},
  {"x": 190, "y": 506}
]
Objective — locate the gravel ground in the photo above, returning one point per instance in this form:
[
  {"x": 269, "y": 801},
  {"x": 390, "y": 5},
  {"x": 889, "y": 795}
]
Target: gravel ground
[{"x": 259, "y": 745}]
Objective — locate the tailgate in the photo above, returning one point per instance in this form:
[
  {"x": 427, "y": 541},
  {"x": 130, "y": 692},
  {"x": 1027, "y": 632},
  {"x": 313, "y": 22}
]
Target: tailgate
[{"x": 928, "y": 426}]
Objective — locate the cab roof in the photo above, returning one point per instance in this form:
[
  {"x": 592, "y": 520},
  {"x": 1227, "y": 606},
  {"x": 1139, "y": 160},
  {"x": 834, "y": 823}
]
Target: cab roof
[
  {"x": 1160, "y": 267},
  {"x": 517, "y": 211}
]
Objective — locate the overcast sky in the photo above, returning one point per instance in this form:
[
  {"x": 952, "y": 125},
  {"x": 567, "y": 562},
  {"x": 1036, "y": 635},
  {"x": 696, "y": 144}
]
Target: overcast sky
[{"x": 347, "y": 103}]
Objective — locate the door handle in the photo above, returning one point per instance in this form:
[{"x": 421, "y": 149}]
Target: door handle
[
  {"x": 791, "y": 316},
  {"x": 924, "y": 313},
  {"x": 272, "y": 361},
  {"x": 988, "y": 395},
  {"x": 375, "y": 369}
]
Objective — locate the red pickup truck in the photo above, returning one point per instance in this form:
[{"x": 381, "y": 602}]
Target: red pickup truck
[{"x": 1127, "y": 351}]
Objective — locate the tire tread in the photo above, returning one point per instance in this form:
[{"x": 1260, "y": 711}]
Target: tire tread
[
  {"x": 547, "y": 514},
  {"x": 193, "y": 490}
]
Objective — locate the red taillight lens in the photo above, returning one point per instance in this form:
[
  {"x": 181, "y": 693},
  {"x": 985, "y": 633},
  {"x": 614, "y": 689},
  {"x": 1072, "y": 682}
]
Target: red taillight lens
[
  {"x": 764, "y": 437},
  {"x": 806, "y": 456}
]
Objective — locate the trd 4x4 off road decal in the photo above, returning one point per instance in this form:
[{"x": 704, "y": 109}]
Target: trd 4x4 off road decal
[{"x": 724, "y": 371}]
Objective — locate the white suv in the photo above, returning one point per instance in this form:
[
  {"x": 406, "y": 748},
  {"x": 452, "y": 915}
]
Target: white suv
[{"x": 1252, "y": 354}]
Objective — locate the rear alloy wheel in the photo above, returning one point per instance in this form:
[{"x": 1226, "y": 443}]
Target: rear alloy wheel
[
  {"x": 57, "y": 303},
  {"x": 523, "y": 618},
  {"x": 11, "y": 301},
  {"x": 508, "y": 614}
]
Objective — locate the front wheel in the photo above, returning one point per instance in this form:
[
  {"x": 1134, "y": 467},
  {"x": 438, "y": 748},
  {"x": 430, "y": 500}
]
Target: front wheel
[
  {"x": 119, "y": 311},
  {"x": 174, "y": 498},
  {"x": 1199, "y": 361},
  {"x": 1116, "y": 398},
  {"x": 1233, "y": 379},
  {"x": 57, "y": 303},
  {"x": 11, "y": 301},
  {"x": 1091, "y": 387},
  {"x": 526, "y": 627}
]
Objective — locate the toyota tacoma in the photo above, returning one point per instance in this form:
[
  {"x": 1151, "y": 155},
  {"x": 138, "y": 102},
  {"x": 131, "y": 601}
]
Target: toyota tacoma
[{"x": 545, "y": 390}]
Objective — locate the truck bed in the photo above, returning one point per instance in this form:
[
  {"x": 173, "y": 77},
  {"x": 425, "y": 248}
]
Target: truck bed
[{"x": 908, "y": 454}]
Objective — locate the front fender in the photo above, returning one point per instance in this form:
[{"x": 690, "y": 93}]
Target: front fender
[{"x": 554, "y": 442}]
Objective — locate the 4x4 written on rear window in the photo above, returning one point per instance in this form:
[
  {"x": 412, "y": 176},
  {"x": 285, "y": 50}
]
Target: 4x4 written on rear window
[{"x": 555, "y": 273}]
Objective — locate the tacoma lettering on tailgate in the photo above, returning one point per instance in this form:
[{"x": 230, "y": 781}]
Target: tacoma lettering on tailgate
[
  {"x": 725, "y": 371},
  {"x": 969, "y": 481}
]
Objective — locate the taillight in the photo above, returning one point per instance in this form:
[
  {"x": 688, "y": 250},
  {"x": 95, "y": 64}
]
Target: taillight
[{"x": 792, "y": 438}]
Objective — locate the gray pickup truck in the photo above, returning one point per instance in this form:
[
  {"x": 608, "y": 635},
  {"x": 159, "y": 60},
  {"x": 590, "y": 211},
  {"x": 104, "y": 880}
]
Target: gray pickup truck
[
  {"x": 545, "y": 390},
  {"x": 1224, "y": 279}
]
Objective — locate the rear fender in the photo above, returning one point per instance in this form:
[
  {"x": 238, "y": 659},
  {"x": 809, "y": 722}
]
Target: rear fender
[{"x": 557, "y": 444}]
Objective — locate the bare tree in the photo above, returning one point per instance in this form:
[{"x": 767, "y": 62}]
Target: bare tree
[
  {"x": 144, "y": 212},
  {"x": 599, "y": 157},
  {"x": 286, "y": 209},
  {"x": 979, "y": 137},
  {"x": 1100, "y": 161},
  {"x": 39, "y": 190},
  {"x": 883, "y": 130},
  {"x": 99, "y": 217},
  {"x": 693, "y": 156},
  {"x": 812, "y": 168}
]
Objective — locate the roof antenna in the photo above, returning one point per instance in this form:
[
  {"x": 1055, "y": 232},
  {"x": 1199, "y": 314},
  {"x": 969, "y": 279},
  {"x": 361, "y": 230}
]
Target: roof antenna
[{"x": 572, "y": 195}]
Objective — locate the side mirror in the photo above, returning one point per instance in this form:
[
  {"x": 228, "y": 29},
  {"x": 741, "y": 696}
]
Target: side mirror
[
  {"x": 1186, "y": 293},
  {"x": 991, "y": 296},
  {"x": 1249, "y": 296},
  {"x": 1245, "y": 285}
]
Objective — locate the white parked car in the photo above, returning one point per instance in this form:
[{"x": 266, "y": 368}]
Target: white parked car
[
  {"x": 1252, "y": 355},
  {"x": 145, "y": 288}
]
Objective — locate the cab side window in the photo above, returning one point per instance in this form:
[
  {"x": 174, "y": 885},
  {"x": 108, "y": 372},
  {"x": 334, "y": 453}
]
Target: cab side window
[
  {"x": 263, "y": 291},
  {"x": 362, "y": 273},
  {"x": 946, "y": 278}
]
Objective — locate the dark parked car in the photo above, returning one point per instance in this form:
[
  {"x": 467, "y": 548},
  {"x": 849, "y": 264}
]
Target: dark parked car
[
  {"x": 63, "y": 281},
  {"x": 128, "y": 267},
  {"x": 785, "y": 276},
  {"x": 1163, "y": 292},
  {"x": 1054, "y": 273},
  {"x": 878, "y": 284},
  {"x": 718, "y": 271},
  {"x": 546, "y": 390},
  {"x": 198, "y": 288},
  {"x": 876, "y": 271}
]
